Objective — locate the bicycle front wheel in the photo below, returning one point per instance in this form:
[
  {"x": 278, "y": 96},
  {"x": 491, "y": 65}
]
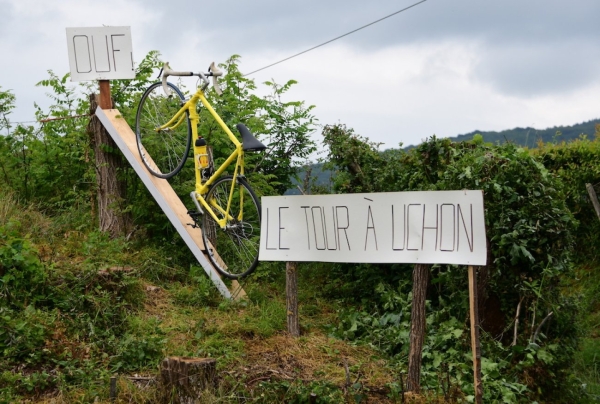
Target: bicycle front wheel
[
  {"x": 232, "y": 250},
  {"x": 163, "y": 152}
]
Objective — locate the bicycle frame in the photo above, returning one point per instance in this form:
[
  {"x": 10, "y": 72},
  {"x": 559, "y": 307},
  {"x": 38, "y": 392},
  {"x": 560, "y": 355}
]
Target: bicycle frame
[{"x": 237, "y": 155}]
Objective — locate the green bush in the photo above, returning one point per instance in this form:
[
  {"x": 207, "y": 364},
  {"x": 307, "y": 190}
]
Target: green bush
[
  {"x": 530, "y": 232},
  {"x": 22, "y": 278},
  {"x": 576, "y": 163}
]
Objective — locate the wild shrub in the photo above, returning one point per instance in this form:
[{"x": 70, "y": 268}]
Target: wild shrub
[
  {"x": 22, "y": 277},
  {"x": 576, "y": 163},
  {"x": 530, "y": 240}
]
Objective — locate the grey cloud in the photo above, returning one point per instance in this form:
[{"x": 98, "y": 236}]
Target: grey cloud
[
  {"x": 250, "y": 25},
  {"x": 525, "y": 70},
  {"x": 6, "y": 15},
  {"x": 530, "y": 47}
]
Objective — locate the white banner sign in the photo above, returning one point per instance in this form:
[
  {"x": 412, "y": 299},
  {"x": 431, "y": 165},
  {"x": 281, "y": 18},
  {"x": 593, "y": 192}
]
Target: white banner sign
[
  {"x": 100, "y": 53},
  {"x": 443, "y": 227}
]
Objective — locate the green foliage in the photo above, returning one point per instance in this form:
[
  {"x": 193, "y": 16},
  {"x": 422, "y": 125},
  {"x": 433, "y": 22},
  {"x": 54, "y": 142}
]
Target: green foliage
[
  {"x": 49, "y": 164},
  {"x": 531, "y": 235},
  {"x": 587, "y": 363},
  {"x": 54, "y": 165},
  {"x": 141, "y": 347},
  {"x": 577, "y": 164},
  {"x": 199, "y": 292},
  {"x": 295, "y": 392},
  {"x": 22, "y": 278},
  {"x": 7, "y": 104},
  {"x": 23, "y": 334},
  {"x": 284, "y": 126},
  {"x": 61, "y": 324},
  {"x": 357, "y": 161},
  {"x": 70, "y": 315}
]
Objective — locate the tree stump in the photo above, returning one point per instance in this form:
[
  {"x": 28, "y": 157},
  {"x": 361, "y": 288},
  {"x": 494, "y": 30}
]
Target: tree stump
[{"x": 184, "y": 379}]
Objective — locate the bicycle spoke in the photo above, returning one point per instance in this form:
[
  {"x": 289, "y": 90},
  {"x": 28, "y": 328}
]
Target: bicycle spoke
[
  {"x": 237, "y": 244},
  {"x": 164, "y": 152}
]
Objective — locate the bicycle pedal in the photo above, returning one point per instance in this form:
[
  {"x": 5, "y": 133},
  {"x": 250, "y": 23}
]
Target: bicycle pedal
[{"x": 195, "y": 217}]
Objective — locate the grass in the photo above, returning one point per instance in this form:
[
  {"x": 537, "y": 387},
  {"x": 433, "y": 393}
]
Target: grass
[
  {"x": 587, "y": 367},
  {"x": 254, "y": 353},
  {"x": 117, "y": 308}
]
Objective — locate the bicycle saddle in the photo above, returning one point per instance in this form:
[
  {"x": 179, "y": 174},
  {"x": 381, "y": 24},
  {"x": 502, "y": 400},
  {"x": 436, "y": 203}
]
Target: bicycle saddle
[{"x": 249, "y": 142}]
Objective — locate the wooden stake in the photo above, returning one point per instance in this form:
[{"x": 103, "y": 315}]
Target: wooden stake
[
  {"x": 105, "y": 101},
  {"x": 475, "y": 346},
  {"x": 418, "y": 325},
  {"x": 291, "y": 292},
  {"x": 594, "y": 198},
  {"x": 113, "y": 389}
]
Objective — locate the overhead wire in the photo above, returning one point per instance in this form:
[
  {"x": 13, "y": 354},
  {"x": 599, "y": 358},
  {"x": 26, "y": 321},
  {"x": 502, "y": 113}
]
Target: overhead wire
[
  {"x": 22, "y": 122},
  {"x": 46, "y": 120},
  {"x": 336, "y": 38}
]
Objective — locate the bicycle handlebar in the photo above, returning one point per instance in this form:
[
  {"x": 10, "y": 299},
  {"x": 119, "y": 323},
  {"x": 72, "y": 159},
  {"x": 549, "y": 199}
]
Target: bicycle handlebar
[{"x": 213, "y": 72}]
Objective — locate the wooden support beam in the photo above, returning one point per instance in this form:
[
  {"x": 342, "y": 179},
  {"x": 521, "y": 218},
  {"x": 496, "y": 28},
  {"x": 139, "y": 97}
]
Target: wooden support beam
[{"x": 166, "y": 198}]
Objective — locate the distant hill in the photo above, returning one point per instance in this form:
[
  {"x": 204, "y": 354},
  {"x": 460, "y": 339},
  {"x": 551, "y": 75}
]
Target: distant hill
[
  {"x": 318, "y": 175},
  {"x": 530, "y": 136},
  {"x": 522, "y": 136}
]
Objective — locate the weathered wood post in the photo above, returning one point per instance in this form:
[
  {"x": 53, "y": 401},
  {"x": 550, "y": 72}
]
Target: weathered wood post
[
  {"x": 417, "y": 326},
  {"x": 291, "y": 293},
  {"x": 475, "y": 345},
  {"x": 111, "y": 191},
  {"x": 113, "y": 388},
  {"x": 105, "y": 101},
  {"x": 594, "y": 198}
]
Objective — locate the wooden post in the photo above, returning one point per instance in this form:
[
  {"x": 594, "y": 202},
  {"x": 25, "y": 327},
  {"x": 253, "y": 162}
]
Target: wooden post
[
  {"x": 111, "y": 192},
  {"x": 113, "y": 389},
  {"x": 105, "y": 101},
  {"x": 291, "y": 293},
  {"x": 594, "y": 198},
  {"x": 475, "y": 346},
  {"x": 417, "y": 327}
]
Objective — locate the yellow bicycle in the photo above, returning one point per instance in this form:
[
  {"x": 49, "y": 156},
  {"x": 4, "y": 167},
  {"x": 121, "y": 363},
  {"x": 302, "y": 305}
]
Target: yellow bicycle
[{"x": 228, "y": 210}]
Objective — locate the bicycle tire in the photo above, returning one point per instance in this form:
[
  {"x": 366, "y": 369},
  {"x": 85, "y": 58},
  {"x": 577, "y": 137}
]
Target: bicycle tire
[
  {"x": 163, "y": 153},
  {"x": 233, "y": 251}
]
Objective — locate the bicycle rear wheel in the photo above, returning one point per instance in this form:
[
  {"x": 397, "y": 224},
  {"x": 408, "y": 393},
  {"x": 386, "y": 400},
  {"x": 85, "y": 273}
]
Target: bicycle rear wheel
[
  {"x": 163, "y": 152},
  {"x": 233, "y": 250}
]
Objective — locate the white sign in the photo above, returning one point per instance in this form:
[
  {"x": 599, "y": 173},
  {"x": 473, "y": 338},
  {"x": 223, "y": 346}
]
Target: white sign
[
  {"x": 443, "y": 227},
  {"x": 100, "y": 53}
]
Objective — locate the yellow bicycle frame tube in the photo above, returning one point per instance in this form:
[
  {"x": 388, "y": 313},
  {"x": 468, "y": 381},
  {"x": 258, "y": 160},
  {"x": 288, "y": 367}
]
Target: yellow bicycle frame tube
[{"x": 237, "y": 155}]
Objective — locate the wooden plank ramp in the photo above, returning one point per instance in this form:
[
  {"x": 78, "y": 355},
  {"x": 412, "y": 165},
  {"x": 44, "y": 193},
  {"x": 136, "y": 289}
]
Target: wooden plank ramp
[{"x": 166, "y": 198}]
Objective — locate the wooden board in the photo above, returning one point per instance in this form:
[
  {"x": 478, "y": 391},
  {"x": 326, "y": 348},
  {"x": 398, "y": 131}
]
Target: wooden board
[{"x": 165, "y": 196}]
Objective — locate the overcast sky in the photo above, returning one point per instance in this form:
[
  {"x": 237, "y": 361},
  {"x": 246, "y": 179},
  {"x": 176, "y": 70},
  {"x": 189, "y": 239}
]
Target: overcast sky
[{"x": 444, "y": 67}]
